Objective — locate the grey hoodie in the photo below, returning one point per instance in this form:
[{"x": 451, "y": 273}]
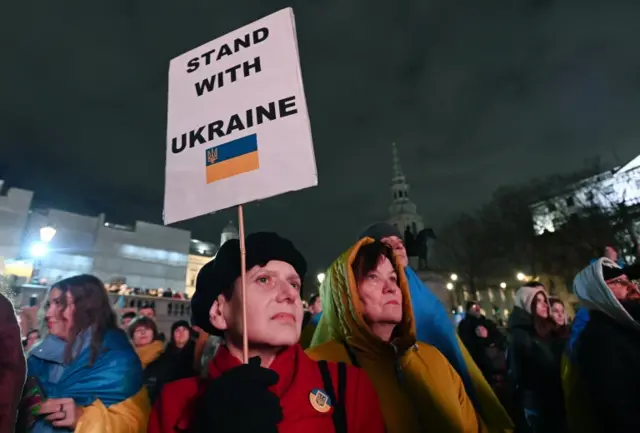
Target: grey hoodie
[{"x": 593, "y": 293}]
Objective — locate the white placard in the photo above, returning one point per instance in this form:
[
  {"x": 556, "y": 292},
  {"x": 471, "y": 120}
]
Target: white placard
[{"x": 237, "y": 126}]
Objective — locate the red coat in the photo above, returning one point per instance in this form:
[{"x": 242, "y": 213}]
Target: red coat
[
  {"x": 299, "y": 376},
  {"x": 13, "y": 365}
]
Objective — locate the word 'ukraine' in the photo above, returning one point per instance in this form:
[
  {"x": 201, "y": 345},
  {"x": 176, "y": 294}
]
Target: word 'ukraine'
[{"x": 237, "y": 122}]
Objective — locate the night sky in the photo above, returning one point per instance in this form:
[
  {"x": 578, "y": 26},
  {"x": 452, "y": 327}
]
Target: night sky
[{"x": 476, "y": 94}]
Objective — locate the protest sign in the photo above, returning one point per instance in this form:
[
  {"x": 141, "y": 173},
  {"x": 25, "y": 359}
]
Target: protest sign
[{"x": 237, "y": 125}]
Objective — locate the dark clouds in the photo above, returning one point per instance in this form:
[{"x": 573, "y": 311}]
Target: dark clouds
[{"x": 476, "y": 94}]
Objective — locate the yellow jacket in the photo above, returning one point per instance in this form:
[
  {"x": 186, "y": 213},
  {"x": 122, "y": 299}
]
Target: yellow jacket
[
  {"x": 129, "y": 416},
  {"x": 150, "y": 352},
  {"x": 418, "y": 389}
]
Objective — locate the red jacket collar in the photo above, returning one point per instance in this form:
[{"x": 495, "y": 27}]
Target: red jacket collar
[{"x": 285, "y": 365}]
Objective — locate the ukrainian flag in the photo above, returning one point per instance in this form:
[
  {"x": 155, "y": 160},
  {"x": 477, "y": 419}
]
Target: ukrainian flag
[{"x": 232, "y": 158}]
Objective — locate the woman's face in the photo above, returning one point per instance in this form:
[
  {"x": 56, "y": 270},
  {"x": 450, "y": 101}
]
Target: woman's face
[
  {"x": 557, "y": 313},
  {"x": 380, "y": 294},
  {"x": 142, "y": 336},
  {"x": 542, "y": 308},
  {"x": 397, "y": 245},
  {"x": 59, "y": 319},
  {"x": 274, "y": 306},
  {"x": 181, "y": 336}
]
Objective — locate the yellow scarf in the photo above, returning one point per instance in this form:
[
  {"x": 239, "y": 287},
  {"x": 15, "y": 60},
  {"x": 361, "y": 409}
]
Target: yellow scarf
[{"x": 150, "y": 352}]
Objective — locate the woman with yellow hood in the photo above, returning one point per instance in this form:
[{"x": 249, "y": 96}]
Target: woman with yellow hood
[{"x": 368, "y": 322}]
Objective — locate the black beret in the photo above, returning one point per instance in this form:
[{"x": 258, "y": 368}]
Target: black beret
[
  {"x": 610, "y": 272},
  {"x": 220, "y": 273}
]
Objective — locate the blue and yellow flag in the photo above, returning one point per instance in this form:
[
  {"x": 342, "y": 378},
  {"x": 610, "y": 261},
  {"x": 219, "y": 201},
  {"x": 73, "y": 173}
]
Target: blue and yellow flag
[{"x": 232, "y": 158}]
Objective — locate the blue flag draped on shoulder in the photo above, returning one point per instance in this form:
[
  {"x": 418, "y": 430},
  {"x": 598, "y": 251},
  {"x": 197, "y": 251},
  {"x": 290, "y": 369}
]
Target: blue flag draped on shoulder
[{"x": 434, "y": 327}]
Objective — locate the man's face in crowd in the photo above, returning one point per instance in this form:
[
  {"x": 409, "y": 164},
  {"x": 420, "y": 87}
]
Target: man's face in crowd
[
  {"x": 380, "y": 294},
  {"x": 181, "y": 336},
  {"x": 126, "y": 321},
  {"x": 397, "y": 245},
  {"x": 274, "y": 307},
  {"x": 475, "y": 310},
  {"x": 623, "y": 289},
  {"x": 316, "y": 307},
  {"x": 142, "y": 336},
  {"x": 59, "y": 318},
  {"x": 148, "y": 312}
]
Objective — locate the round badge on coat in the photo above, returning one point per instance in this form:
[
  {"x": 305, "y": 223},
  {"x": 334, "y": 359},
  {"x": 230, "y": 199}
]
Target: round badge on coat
[{"x": 320, "y": 401}]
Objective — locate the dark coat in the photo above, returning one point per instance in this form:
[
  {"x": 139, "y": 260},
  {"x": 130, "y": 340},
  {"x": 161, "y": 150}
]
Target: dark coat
[
  {"x": 534, "y": 367},
  {"x": 607, "y": 356},
  {"x": 488, "y": 353},
  {"x": 173, "y": 364}
]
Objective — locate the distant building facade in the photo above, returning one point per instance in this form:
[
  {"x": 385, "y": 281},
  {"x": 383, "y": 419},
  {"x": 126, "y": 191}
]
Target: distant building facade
[
  {"x": 606, "y": 190},
  {"x": 14, "y": 210},
  {"x": 200, "y": 254},
  {"x": 142, "y": 255},
  {"x": 229, "y": 232}
]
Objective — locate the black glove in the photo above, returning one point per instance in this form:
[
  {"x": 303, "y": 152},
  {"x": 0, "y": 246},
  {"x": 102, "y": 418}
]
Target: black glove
[{"x": 239, "y": 401}]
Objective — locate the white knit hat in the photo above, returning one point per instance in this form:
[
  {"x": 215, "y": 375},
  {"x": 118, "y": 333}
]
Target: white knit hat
[{"x": 525, "y": 296}]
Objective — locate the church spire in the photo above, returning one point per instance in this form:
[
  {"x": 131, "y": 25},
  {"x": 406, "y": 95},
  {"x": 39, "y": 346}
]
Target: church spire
[
  {"x": 228, "y": 233},
  {"x": 403, "y": 212},
  {"x": 399, "y": 186},
  {"x": 398, "y": 174}
]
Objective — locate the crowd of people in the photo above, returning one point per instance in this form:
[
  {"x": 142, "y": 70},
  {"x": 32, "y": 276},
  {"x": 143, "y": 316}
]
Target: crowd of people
[
  {"x": 123, "y": 289},
  {"x": 376, "y": 351}
]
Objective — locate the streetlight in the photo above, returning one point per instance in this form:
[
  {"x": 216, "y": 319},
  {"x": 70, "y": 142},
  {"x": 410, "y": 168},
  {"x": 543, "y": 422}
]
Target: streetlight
[
  {"x": 41, "y": 249},
  {"x": 520, "y": 276},
  {"x": 449, "y": 286},
  {"x": 320, "y": 277},
  {"x": 47, "y": 233},
  {"x": 454, "y": 277},
  {"x": 503, "y": 285}
]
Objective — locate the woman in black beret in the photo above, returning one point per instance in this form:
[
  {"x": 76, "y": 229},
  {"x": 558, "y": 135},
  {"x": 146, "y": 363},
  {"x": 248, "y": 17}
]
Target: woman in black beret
[{"x": 281, "y": 389}]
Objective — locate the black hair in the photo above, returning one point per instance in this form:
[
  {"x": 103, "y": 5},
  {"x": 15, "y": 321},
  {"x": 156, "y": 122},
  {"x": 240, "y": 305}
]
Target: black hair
[
  {"x": 470, "y": 305},
  {"x": 313, "y": 298},
  {"x": 142, "y": 322},
  {"x": 128, "y": 315},
  {"x": 369, "y": 257},
  {"x": 555, "y": 300},
  {"x": 533, "y": 284}
]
